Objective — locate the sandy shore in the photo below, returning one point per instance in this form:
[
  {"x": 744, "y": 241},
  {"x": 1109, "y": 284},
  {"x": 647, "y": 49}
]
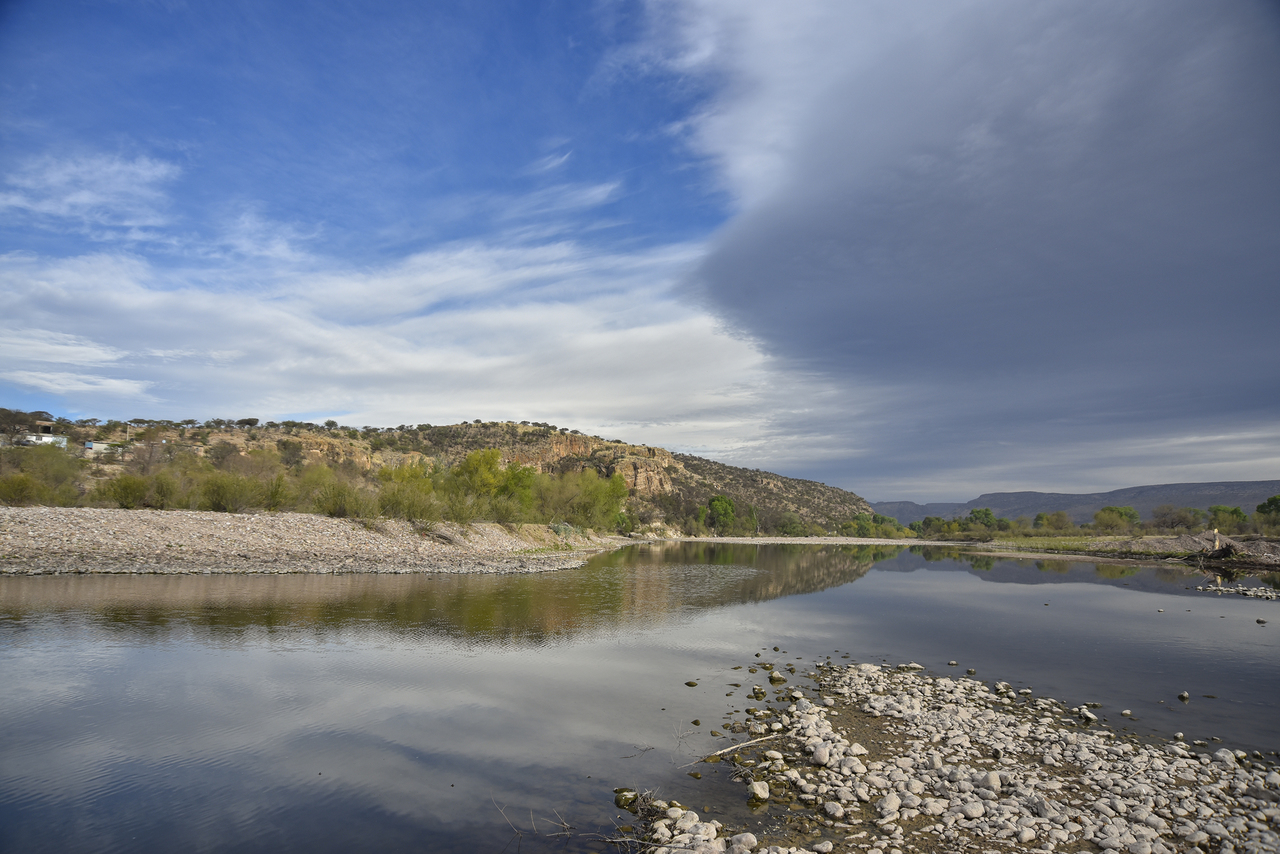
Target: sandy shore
[{"x": 44, "y": 540}]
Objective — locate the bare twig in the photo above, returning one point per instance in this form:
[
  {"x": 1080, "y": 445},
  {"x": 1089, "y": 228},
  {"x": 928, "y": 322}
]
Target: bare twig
[
  {"x": 643, "y": 750},
  {"x": 502, "y": 812},
  {"x": 734, "y": 747}
]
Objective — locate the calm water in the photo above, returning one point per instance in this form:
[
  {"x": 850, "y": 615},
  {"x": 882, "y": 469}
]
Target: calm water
[{"x": 429, "y": 713}]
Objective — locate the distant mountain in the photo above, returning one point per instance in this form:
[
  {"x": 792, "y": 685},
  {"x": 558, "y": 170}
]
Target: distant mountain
[{"x": 1245, "y": 494}]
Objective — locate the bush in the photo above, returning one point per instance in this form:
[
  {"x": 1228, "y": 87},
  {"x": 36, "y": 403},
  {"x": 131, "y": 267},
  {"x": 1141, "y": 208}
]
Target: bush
[
  {"x": 19, "y": 489},
  {"x": 164, "y": 492},
  {"x": 276, "y": 494},
  {"x": 344, "y": 501},
  {"x": 128, "y": 491},
  {"x": 408, "y": 501},
  {"x": 229, "y": 493}
]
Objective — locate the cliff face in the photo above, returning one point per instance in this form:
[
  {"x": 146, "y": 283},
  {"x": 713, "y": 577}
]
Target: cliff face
[{"x": 662, "y": 485}]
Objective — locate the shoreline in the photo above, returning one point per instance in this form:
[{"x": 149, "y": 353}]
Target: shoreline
[
  {"x": 85, "y": 540},
  {"x": 1119, "y": 552},
  {"x": 887, "y": 760},
  {"x": 39, "y": 540}
]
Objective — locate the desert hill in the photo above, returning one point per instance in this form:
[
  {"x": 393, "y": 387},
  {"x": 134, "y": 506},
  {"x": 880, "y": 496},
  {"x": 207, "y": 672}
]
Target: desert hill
[
  {"x": 662, "y": 486},
  {"x": 1245, "y": 494}
]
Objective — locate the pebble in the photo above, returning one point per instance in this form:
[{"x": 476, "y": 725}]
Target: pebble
[
  {"x": 55, "y": 540},
  {"x": 1242, "y": 590},
  {"x": 930, "y": 785}
]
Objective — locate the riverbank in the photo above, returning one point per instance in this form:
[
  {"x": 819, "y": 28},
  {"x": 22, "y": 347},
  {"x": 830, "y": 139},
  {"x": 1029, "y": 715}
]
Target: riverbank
[
  {"x": 889, "y": 761},
  {"x": 1205, "y": 551},
  {"x": 50, "y": 540}
]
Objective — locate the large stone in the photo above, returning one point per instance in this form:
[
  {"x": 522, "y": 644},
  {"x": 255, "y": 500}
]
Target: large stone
[
  {"x": 759, "y": 791},
  {"x": 889, "y": 803}
]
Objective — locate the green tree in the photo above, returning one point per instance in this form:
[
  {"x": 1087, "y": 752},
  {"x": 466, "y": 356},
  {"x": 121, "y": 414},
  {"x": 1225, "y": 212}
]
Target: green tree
[
  {"x": 1175, "y": 518},
  {"x": 1226, "y": 519},
  {"x": 982, "y": 516},
  {"x": 1126, "y": 513},
  {"x": 720, "y": 510},
  {"x": 1058, "y": 520},
  {"x": 791, "y": 525},
  {"x": 1111, "y": 521},
  {"x": 1270, "y": 507}
]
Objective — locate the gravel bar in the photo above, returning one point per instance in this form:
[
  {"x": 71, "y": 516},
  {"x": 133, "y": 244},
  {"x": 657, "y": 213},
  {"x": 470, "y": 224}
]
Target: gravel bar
[
  {"x": 50, "y": 540},
  {"x": 952, "y": 765}
]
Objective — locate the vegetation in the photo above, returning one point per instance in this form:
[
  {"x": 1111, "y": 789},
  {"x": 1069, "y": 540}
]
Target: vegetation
[
  {"x": 474, "y": 471},
  {"x": 225, "y": 476},
  {"x": 982, "y": 524}
]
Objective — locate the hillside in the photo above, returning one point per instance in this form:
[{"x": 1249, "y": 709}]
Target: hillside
[
  {"x": 1080, "y": 507},
  {"x": 663, "y": 488}
]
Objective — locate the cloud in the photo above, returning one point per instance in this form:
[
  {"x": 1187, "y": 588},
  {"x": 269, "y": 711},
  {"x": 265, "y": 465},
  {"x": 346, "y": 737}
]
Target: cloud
[
  {"x": 107, "y": 196},
  {"x": 563, "y": 333},
  {"x": 550, "y": 163},
  {"x": 39, "y": 345},
  {"x": 65, "y": 383},
  {"x": 560, "y": 199},
  {"x": 1008, "y": 233}
]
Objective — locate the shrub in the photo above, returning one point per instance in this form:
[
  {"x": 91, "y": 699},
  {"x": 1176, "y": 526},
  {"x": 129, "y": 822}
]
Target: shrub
[
  {"x": 276, "y": 493},
  {"x": 127, "y": 491},
  {"x": 408, "y": 501},
  {"x": 229, "y": 493},
  {"x": 18, "y": 489},
  {"x": 343, "y": 501}
]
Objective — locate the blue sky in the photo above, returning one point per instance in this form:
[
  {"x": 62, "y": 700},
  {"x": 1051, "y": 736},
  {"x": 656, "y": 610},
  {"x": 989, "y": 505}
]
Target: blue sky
[{"x": 919, "y": 251}]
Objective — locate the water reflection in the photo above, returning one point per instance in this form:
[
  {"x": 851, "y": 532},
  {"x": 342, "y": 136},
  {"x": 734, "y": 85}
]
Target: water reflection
[
  {"x": 636, "y": 586},
  {"x": 332, "y": 713}
]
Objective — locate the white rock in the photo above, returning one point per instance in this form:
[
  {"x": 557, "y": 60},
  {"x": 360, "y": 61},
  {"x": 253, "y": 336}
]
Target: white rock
[
  {"x": 759, "y": 791},
  {"x": 833, "y": 809},
  {"x": 889, "y": 803}
]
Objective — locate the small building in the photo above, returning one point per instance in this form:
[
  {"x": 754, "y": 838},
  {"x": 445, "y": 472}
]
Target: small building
[{"x": 44, "y": 435}]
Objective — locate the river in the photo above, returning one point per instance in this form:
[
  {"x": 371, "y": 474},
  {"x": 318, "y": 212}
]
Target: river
[{"x": 485, "y": 713}]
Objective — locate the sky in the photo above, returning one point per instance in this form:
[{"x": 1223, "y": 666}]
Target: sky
[{"x": 919, "y": 251}]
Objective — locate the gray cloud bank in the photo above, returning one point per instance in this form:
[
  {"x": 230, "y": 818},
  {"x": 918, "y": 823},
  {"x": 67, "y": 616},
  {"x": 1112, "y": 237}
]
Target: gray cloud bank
[{"x": 1026, "y": 245}]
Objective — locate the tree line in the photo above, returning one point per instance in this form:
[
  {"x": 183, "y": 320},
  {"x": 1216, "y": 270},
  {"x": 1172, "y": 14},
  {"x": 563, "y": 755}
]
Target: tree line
[
  {"x": 982, "y": 523},
  {"x": 225, "y": 479}
]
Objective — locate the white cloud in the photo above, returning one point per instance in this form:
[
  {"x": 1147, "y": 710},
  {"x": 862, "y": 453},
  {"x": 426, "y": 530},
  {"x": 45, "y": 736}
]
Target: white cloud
[
  {"x": 550, "y": 163},
  {"x": 560, "y": 333},
  {"x": 40, "y": 345},
  {"x": 89, "y": 385},
  {"x": 107, "y": 196}
]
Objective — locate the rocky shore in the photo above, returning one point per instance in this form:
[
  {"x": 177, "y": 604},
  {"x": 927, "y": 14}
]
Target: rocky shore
[
  {"x": 889, "y": 761},
  {"x": 44, "y": 540}
]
